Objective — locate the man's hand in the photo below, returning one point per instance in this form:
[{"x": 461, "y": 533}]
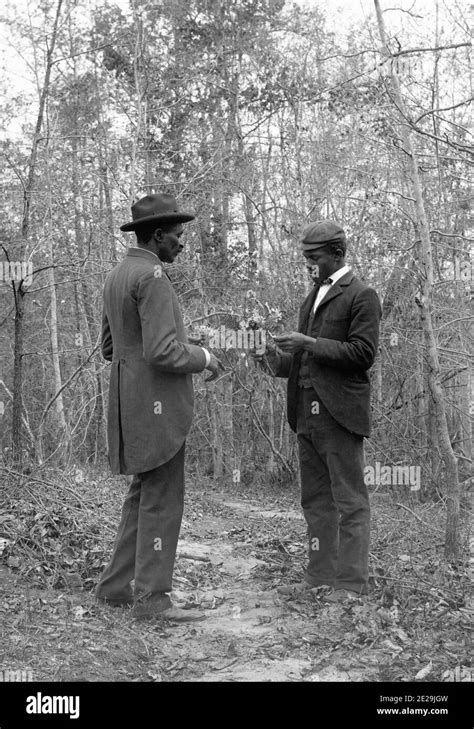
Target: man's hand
[
  {"x": 292, "y": 342},
  {"x": 216, "y": 367},
  {"x": 200, "y": 339},
  {"x": 268, "y": 360}
]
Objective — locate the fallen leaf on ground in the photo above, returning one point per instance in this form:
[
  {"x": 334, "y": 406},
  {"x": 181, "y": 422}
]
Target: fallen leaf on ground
[{"x": 424, "y": 672}]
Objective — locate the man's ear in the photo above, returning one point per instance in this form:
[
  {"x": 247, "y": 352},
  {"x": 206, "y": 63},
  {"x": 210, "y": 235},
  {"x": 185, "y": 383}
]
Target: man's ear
[{"x": 158, "y": 234}]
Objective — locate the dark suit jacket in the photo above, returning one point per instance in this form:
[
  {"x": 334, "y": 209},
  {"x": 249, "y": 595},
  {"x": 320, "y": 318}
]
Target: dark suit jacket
[
  {"x": 151, "y": 389},
  {"x": 346, "y": 325}
]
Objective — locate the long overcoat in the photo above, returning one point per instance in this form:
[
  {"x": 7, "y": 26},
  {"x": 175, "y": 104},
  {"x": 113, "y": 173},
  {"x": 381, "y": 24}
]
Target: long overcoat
[
  {"x": 151, "y": 390},
  {"x": 346, "y": 329}
]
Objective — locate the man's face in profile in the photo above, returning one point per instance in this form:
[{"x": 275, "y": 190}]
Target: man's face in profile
[
  {"x": 321, "y": 263},
  {"x": 169, "y": 244}
]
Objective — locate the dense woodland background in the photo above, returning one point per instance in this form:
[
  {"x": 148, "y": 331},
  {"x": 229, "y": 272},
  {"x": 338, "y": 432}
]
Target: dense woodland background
[{"x": 261, "y": 115}]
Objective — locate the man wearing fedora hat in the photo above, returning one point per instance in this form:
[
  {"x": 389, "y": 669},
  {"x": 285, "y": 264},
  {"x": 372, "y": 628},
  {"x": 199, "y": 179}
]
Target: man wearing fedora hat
[
  {"x": 327, "y": 362},
  {"x": 150, "y": 409}
]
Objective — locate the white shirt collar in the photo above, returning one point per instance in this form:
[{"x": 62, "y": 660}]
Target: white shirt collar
[{"x": 338, "y": 274}]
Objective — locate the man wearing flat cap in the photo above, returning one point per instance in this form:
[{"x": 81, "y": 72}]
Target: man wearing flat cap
[
  {"x": 327, "y": 362},
  {"x": 150, "y": 409}
]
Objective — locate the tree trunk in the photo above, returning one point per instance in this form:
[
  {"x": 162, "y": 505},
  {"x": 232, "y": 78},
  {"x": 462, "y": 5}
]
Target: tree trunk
[
  {"x": 53, "y": 320},
  {"x": 452, "y": 537},
  {"x": 217, "y": 444},
  {"x": 271, "y": 465},
  {"x": 60, "y": 423},
  {"x": 17, "y": 404}
]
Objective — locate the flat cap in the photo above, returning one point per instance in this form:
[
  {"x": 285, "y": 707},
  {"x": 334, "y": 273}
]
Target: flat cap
[{"x": 320, "y": 233}]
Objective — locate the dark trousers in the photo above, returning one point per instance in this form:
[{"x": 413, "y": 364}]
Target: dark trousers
[
  {"x": 147, "y": 537},
  {"x": 334, "y": 497}
]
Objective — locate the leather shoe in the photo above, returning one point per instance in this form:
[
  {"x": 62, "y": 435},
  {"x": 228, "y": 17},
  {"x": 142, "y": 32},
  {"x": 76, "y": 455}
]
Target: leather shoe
[
  {"x": 343, "y": 596},
  {"x": 181, "y": 616}
]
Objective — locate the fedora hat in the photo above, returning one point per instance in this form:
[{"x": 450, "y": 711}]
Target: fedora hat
[{"x": 160, "y": 209}]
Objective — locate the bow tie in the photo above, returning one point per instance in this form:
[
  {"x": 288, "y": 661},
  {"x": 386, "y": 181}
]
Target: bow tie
[{"x": 326, "y": 282}]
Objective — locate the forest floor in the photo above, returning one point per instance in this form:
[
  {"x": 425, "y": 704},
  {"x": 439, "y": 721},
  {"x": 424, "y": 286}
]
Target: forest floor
[{"x": 236, "y": 547}]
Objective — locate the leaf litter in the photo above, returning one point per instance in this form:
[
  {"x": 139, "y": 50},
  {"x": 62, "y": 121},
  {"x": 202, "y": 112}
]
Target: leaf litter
[{"x": 233, "y": 553}]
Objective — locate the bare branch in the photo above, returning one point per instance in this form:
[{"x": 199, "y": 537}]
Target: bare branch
[
  {"x": 446, "y": 108},
  {"x": 66, "y": 384},
  {"x": 450, "y": 235},
  {"x": 468, "y": 44}
]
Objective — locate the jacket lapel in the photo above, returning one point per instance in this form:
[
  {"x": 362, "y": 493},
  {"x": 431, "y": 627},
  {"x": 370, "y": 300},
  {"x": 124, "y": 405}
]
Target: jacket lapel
[
  {"x": 305, "y": 309},
  {"x": 335, "y": 290}
]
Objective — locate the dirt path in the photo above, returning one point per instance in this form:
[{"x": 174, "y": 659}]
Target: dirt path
[{"x": 233, "y": 553}]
